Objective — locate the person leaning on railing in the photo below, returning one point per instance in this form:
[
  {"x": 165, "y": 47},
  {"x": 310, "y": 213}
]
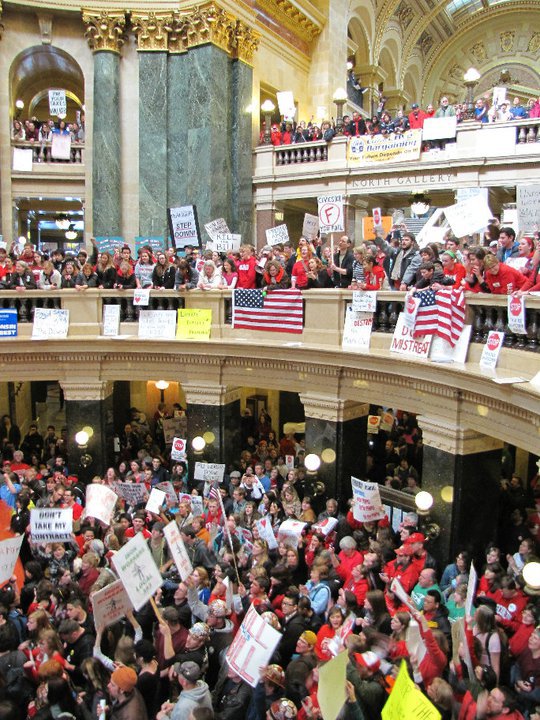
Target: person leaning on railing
[{"x": 21, "y": 278}]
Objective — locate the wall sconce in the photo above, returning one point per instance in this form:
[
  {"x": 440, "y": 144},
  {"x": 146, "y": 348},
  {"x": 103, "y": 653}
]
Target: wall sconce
[
  {"x": 312, "y": 462},
  {"x": 198, "y": 444},
  {"x": 268, "y": 108},
  {"x": 162, "y": 385}
]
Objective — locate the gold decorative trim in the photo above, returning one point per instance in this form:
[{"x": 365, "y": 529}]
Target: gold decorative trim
[
  {"x": 292, "y": 18},
  {"x": 244, "y": 42},
  {"x": 105, "y": 31},
  {"x": 86, "y": 391},
  {"x": 151, "y": 31}
]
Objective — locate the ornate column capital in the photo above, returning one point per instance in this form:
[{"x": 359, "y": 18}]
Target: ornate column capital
[
  {"x": 244, "y": 42},
  {"x": 209, "y": 23},
  {"x": 152, "y": 30},
  {"x": 86, "y": 390},
  {"x": 200, "y": 393},
  {"x": 332, "y": 409},
  {"x": 454, "y": 439},
  {"x": 105, "y": 30}
]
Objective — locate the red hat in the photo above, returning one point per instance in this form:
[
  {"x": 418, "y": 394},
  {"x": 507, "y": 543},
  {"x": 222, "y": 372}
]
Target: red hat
[
  {"x": 404, "y": 550},
  {"x": 415, "y": 538},
  {"x": 368, "y": 660}
]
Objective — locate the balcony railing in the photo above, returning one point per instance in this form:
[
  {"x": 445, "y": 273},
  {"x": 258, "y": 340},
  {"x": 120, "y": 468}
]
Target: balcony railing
[{"x": 41, "y": 151}]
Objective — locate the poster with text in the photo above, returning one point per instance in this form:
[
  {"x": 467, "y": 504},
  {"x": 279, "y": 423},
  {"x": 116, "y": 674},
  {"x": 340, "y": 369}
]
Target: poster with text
[
  {"x": 367, "y": 505},
  {"x": 51, "y": 525},
  {"x": 100, "y": 502},
  {"x": 157, "y": 324},
  {"x": 110, "y": 604},
  {"x": 178, "y": 550},
  {"x": 330, "y": 212},
  {"x": 9, "y": 552},
  {"x": 57, "y": 103},
  {"x": 50, "y": 324},
  {"x": 252, "y": 647},
  {"x": 137, "y": 571},
  {"x": 184, "y": 226}
]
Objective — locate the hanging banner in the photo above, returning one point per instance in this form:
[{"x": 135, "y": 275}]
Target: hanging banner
[
  {"x": 194, "y": 324},
  {"x": 252, "y": 647},
  {"x": 178, "y": 550},
  {"x": 50, "y": 323},
  {"x": 110, "y": 605},
  {"x": 137, "y": 571},
  {"x": 9, "y": 552},
  {"x": 61, "y": 147},
  {"x": 141, "y": 297},
  {"x": 57, "y": 103},
  {"x": 155, "y": 242},
  {"x": 100, "y": 502},
  {"x": 357, "y": 330},
  {"x": 330, "y": 210},
  {"x": 23, "y": 159},
  {"x": 492, "y": 348},
  {"x": 277, "y": 235},
  {"x": 372, "y": 150},
  {"x": 157, "y": 324},
  {"x": 51, "y": 525},
  {"x": 516, "y": 315},
  {"x": 184, "y": 226},
  {"x": 367, "y": 505}
]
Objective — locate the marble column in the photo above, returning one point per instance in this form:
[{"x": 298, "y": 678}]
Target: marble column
[
  {"x": 177, "y": 129},
  {"x": 241, "y": 151},
  {"x": 89, "y": 404},
  {"x": 339, "y": 426},
  {"x": 461, "y": 470},
  {"x": 105, "y": 34}
]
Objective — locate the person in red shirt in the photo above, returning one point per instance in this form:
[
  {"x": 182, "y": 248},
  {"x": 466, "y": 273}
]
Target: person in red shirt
[
  {"x": 402, "y": 569},
  {"x": 138, "y": 525},
  {"x": 70, "y": 502},
  {"x": 347, "y": 558},
  {"x": 374, "y": 275},
  {"x": 246, "y": 268},
  {"x": 502, "y": 279},
  {"x": 510, "y": 604},
  {"x": 300, "y": 267},
  {"x": 416, "y": 117},
  {"x": 452, "y": 269}
]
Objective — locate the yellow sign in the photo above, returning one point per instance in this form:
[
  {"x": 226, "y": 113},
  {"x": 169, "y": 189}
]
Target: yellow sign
[
  {"x": 194, "y": 324},
  {"x": 374, "y": 149},
  {"x": 331, "y": 692},
  {"x": 406, "y": 701}
]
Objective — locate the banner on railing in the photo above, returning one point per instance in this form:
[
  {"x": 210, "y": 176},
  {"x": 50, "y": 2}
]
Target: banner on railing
[
  {"x": 8, "y": 323},
  {"x": 225, "y": 242},
  {"x": 441, "y": 128},
  {"x": 157, "y": 324},
  {"x": 50, "y": 323},
  {"x": 404, "y": 343},
  {"x": 61, "y": 147},
  {"x": 57, "y": 103},
  {"x": 491, "y": 350},
  {"x": 194, "y": 324},
  {"x": 528, "y": 207},
  {"x": 184, "y": 226},
  {"x": 370, "y": 150},
  {"x": 22, "y": 159},
  {"x": 111, "y": 320}
]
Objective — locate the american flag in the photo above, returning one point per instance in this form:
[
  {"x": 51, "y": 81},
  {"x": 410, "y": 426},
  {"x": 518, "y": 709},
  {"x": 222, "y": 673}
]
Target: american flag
[
  {"x": 214, "y": 493},
  {"x": 441, "y": 313},
  {"x": 276, "y": 311}
]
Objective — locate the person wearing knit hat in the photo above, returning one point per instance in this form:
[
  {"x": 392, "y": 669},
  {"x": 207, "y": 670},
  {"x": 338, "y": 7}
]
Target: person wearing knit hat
[
  {"x": 127, "y": 702},
  {"x": 369, "y": 661}
]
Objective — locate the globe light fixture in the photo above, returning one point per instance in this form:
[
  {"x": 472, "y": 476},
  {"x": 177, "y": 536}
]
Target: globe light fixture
[
  {"x": 531, "y": 574},
  {"x": 312, "y": 462},
  {"x": 198, "y": 443},
  {"x": 424, "y": 501}
]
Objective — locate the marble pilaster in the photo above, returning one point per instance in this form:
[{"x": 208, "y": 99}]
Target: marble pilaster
[
  {"x": 241, "y": 190},
  {"x": 177, "y": 129}
]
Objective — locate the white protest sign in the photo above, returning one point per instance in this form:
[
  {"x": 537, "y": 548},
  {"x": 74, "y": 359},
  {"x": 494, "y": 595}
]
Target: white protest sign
[
  {"x": 330, "y": 211},
  {"x": 100, "y": 502},
  {"x": 289, "y": 462},
  {"x": 404, "y": 343},
  {"x": 331, "y": 689},
  {"x": 9, "y": 552},
  {"x": 492, "y": 348},
  {"x": 326, "y": 526},
  {"x": 499, "y": 96},
  {"x": 466, "y": 193},
  {"x": 183, "y": 226},
  {"x": 50, "y": 323},
  {"x": 373, "y": 424},
  {"x": 310, "y": 227},
  {"x": 252, "y": 647},
  {"x": 277, "y": 235},
  {"x": 110, "y": 604},
  {"x": 168, "y": 489},
  {"x": 516, "y": 315},
  {"x": 22, "y": 159},
  {"x": 364, "y": 301},
  {"x": 225, "y": 242},
  {"x": 442, "y": 351},
  {"x": 209, "y": 472},
  {"x": 397, "y": 588},
  {"x": 291, "y": 529},
  {"x": 51, "y": 525},
  {"x": 155, "y": 501},
  {"x": 57, "y": 102},
  {"x": 471, "y": 590},
  {"x": 178, "y": 449},
  {"x": 178, "y": 550},
  {"x": 414, "y": 642},
  {"x": 141, "y": 297},
  {"x": 528, "y": 207},
  {"x": 357, "y": 330},
  {"x": 468, "y": 217},
  {"x": 197, "y": 505},
  {"x": 367, "y": 505},
  {"x": 132, "y": 493},
  {"x": 111, "y": 320},
  {"x": 61, "y": 147},
  {"x": 285, "y": 100},
  {"x": 266, "y": 532},
  {"x": 137, "y": 571},
  {"x": 216, "y": 227},
  {"x": 410, "y": 310},
  {"x": 439, "y": 128},
  {"x": 157, "y": 324}
]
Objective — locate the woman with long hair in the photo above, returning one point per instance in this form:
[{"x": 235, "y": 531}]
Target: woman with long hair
[
  {"x": 106, "y": 271},
  {"x": 376, "y": 613},
  {"x": 163, "y": 274},
  {"x": 485, "y": 631},
  {"x": 323, "y": 648},
  {"x": 229, "y": 274},
  {"x": 144, "y": 268},
  {"x": 398, "y": 646},
  {"x": 202, "y": 583}
]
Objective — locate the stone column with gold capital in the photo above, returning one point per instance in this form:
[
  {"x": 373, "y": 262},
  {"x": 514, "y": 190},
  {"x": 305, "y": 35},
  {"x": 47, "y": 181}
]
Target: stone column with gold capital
[
  {"x": 151, "y": 32},
  {"x": 105, "y": 35}
]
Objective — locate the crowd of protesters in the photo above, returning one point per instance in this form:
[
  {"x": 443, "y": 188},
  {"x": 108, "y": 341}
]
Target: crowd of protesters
[
  {"x": 326, "y": 591},
  {"x": 40, "y": 135}
]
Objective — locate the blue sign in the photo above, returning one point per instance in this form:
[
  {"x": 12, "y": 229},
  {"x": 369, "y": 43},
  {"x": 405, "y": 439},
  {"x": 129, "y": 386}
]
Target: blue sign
[{"x": 8, "y": 323}]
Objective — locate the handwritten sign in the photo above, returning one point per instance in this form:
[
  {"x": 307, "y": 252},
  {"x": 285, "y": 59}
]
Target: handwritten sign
[
  {"x": 367, "y": 505},
  {"x": 194, "y": 324},
  {"x": 277, "y": 235},
  {"x": 357, "y": 330},
  {"x": 110, "y": 604},
  {"x": 364, "y": 301},
  {"x": 330, "y": 212},
  {"x": 491, "y": 350},
  {"x": 157, "y": 324},
  {"x": 155, "y": 501},
  {"x": 184, "y": 226},
  {"x": 216, "y": 227},
  {"x": 310, "y": 227},
  {"x": 468, "y": 217},
  {"x": 50, "y": 323},
  {"x": 170, "y": 495},
  {"x": 61, "y": 147},
  {"x": 266, "y": 533},
  {"x": 252, "y": 647},
  {"x": 57, "y": 103},
  {"x": 9, "y": 552},
  {"x": 132, "y": 493},
  {"x": 291, "y": 529},
  {"x": 226, "y": 242},
  {"x": 51, "y": 525},
  {"x": 111, "y": 320},
  {"x": 528, "y": 207},
  {"x": 285, "y": 99},
  {"x": 178, "y": 550},
  {"x": 141, "y": 297},
  {"x": 407, "y": 701},
  {"x": 100, "y": 502},
  {"x": 209, "y": 472},
  {"x": 404, "y": 343},
  {"x": 137, "y": 571},
  {"x": 174, "y": 427}
]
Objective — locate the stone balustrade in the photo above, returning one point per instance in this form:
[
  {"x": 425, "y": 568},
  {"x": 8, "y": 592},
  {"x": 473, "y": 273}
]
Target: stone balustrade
[{"x": 41, "y": 151}]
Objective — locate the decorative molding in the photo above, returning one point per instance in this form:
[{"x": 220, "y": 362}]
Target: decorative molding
[
  {"x": 291, "y": 17},
  {"x": 453, "y": 439},
  {"x": 1, "y": 23},
  {"x": 332, "y": 409},
  {"x": 534, "y": 43},
  {"x": 507, "y": 40},
  {"x": 105, "y": 31},
  {"x": 86, "y": 391},
  {"x": 151, "y": 30},
  {"x": 404, "y": 14},
  {"x": 209, "y": 394},
  {"x": 45, "y": 22},
  {"x": 244, "y": 42}
]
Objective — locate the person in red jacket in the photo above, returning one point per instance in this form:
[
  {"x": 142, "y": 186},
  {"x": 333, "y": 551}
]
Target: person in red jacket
[
  {"x": 434, "y": 661},
  {"x": 373, "y": 275},
  {"x": 246, "y": 268},
  {"x": 300, "y": 268},
  {"x": 416, "y": 117},
  {"x": 402, "y": 569},
  {"x": 502, "y": 279},
  {"x": 510, "y": 604}
]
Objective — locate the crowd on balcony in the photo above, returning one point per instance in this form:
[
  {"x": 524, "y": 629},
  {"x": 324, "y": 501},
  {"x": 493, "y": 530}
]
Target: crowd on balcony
[
  {"x": 504, "y": 265},
  {"x": 39, "y": 134},
  {"x": 325, "y": 589}
]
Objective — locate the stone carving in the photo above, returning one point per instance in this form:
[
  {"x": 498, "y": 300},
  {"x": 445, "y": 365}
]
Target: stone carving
[
  {"x": 425, "y": 42},
  {"x": 45, "y": 22},
  {"x": 507, "y": 40},
  {"x": 456, "y": 72},
  {"x": 291, "y": 17},
  {"x": 479, "y": 52},
  {"x": 105, "y": 30},
  {"x": 244, "y": 42},
  {"x": 151, "y": 31},
  {"x": 404, "y": 14},
  {"x": 534, "y": 43}
]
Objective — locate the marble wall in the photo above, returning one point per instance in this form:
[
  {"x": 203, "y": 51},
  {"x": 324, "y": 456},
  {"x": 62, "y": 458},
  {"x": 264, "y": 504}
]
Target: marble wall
[{"x": 241, "y": 160}]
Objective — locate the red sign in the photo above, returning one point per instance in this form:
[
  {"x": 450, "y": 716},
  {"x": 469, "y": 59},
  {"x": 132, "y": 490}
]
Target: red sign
[
  {"x": 493, "y": 342},
  {"x": 515, "y": 306}
]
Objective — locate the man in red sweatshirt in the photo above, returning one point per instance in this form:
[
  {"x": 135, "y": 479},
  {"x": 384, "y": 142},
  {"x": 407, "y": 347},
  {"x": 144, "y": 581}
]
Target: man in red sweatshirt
[{"x": 246, "y": 268}]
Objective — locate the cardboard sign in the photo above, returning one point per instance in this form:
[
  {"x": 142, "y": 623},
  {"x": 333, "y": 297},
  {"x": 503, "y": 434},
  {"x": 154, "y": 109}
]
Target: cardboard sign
[
  {"x": 407, "y": 701},
  {"x": 286, "y": 105},
  {"x": 8, "y": 323},
  {"x": 492, "y": 348},
  {"x": 277, "y": 235},
  {"x": 331, "y": 692},
  {"x": 367, "y": 505},
  {"x": 404, "y": 343},
  {"x": 110, "y": 605},
  {"x": 50, "y": 323},
  {"x": 439, "y": 128},
  {"x": 141, "y": 297},
  {"x": 226, "y": 242},
  {"x": 61, "y": 147},
  {"x": 9, "y": 552},
  {"x": 184, "y": 226},
  {"x": 178, "y": 449},
  {"x": 57, "y": 103},
  {"x": 23, "y": 159},
  {"x": 174, "y": 427},
  {"x": 357, "y": 330},
  {"x": 330, "y": 212},
  {"x": 410, "y": 310},
  {"x": 216, "y": 227},
  {"x": 528, "y": 207},
  {"x": 468, "y": 217},
  {"x": 51, "y": 525},
  {"x": 194, "y": 324},
  {"x": 170, "y": 495},
  {"x": 442, "y": 351},
  {"x": 516, "y": 315},
  {"x": 111, "y": 320},
  {"x": 364, "y": 301},
  {"x": 155, "y": 501},
  {"x": 291, "y": 529},
  {"x": 310, "y": 226},
  {"x": 100, "y": 502},
  {"x": 266, "y": 533},
  {"x": 252, "y": 647},
  {"x": 373, "y": 424},
  {"x": 137, "y": 571},
  {"x": 132, "y": 493},
  {"x": 157, "y": 324},
  {"x": 178, "y": 550},
  {"x": 209, "y": 472}
]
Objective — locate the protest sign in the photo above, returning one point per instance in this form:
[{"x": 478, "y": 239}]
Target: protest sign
[
  {"x": 371, "y": 150},
  {"x": 100, "y": 502},
  {"x": 442, "y": 351},
  {"x": 410, "y": 310},
  {"x": 325, "y": 527},
  {"x": 289, "y": 462},
  {"x": 111, "y": 320},
  {"x": 357, "y": 330},
  {"x": 9, "y": 552},
  {"x": 266, "y": 532},
  {"x": 492, "y": 348},
  {"x": 404, "y": 343},
  {"x": 373, "y": 424},
  {"x": 387, "y": 422},
  {"x": 466, "y": 193},
  {"x": 367, "y": 505},
  {"x": 225, "y": 242},
  {"x": 50, "y": 323},
  {"x": 194, "y": 324},
  {"x": 331, "y": 692},
  {"x": 57, "y": 103},
  {"x": 291, "y": 529},
  {"x": 471, "y": 590},
  {"x": 468, "y": 217},
  {"x": 137, "y": 571},
  {"x": 407, "y": 701},
  {"x": 184, "y": 226},
  {"x": 174, "y": 427},
  {"x": 108, "y": 244},
  {"x": 439, "y": 128},
  {"x": 23, "y": 159},
  {"x": 397, "y": 588},
  {"x": 370, "y": 230},
  {"x": 516, "y": 315},
  {"x": 170, "y": 495},
  {"x": 8, "y": 323},
  {"x": 51, "y": 525},
  {"x": 61, "y": 147},
  {"x": 209, "y": 472},
  {"x": 277, "y": 235},
  {"x": 155, "y": 501},
  {"x": 216, "y": 227},
  {"x": 330, "y": 211},
  {"x": 141, "y": 297},
  {"x": 286, "y": 105},
  {"x": 110, "y": 604},
  {"x": 155, "y": 242},
  {"x": 252, "y": 647},
  {"x": 528, "y": 207},
  {"x": 178, "y": 449},
  {"x": 132, "y": 493},
  {"x": 310, "y": 227},
  {"x": 415, "y": 643},
  {"x": 197, "y": 505},
  {"x": 178, "y": 550},
  {"x": 157, "y": 324},
  {"x": 363, "y": 301}
]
